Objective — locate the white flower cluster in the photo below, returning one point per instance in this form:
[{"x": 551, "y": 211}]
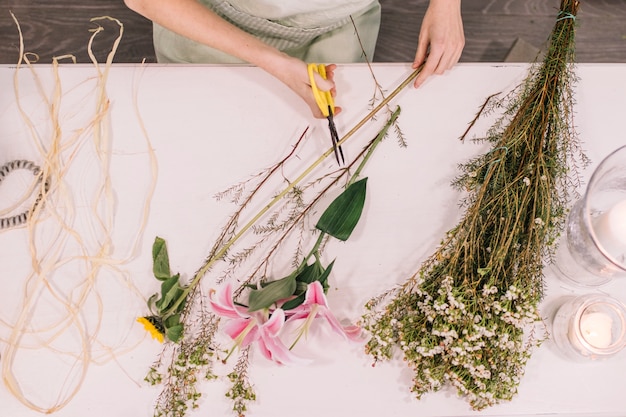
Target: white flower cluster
[{"x": 477, "y": 341}]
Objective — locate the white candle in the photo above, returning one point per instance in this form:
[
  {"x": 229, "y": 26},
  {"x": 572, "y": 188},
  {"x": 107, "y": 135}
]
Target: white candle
[
  {"x": 591, "y": 326},
  {"x": 610, "y": 230},
  {"x": 597, "y": 329}
]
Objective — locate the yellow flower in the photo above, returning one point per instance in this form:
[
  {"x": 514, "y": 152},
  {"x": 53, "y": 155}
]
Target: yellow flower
[{"x": 154, "y": 326}]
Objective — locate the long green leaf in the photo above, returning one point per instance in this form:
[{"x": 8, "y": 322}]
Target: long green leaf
[
  {"x": 295, "y": 302},
  {"x": 343, "y": 214},
  {"x": 272, "y": 292}
]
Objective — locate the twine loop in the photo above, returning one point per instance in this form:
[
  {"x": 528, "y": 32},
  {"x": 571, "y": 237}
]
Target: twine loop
[{"x": 5, "y": 170}]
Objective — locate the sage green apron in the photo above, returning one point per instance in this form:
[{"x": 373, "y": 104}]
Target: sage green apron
[{"x": 335, "y": 42}]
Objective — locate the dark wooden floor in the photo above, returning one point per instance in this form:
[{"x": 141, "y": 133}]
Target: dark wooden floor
[{"x": 59, "y": 27}]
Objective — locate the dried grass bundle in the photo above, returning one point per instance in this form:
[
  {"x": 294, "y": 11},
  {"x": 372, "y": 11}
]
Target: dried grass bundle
[{"x": 60, "y": 317}]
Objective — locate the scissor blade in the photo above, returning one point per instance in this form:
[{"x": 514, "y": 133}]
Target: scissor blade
[{"x": 335, "y": 138}]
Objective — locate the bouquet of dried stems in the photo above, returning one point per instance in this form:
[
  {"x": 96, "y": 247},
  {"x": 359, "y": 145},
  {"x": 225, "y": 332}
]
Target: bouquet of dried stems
[{"x": 467, "y": 318}]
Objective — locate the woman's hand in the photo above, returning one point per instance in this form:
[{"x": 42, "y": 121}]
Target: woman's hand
[
  {"x": 293, "y": 73},
  {"x": 441, "y": 39}
]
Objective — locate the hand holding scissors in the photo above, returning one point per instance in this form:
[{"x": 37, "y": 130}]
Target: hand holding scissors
[{"x": 325, "y": 102}]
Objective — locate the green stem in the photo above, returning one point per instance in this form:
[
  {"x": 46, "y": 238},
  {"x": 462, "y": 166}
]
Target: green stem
[
  {"x": 313, "y": 252},
  {"x": 374, "y": 144}
]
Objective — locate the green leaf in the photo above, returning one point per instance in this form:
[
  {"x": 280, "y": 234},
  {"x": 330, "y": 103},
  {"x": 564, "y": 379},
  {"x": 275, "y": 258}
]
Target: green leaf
[
  {"x": 270, "y": 293},
  {"x": 310, "y": 273},
  {"x": 343, "y": 214},
  {"x": 171, "y": 321},
  {"x": 301, "y": 287},
  {"x": 173, "y": 328},
  {"x": 174, "y": 333},
  {"x": 170, "y": 291},
  {"x": 324, "y": 277},
  {"x": 294, "y": 302},
  {"x": 152, "y": 302},
  {"x": 160, "y": 260}
]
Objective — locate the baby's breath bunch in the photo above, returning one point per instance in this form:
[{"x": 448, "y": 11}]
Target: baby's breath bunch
[{"x": 467, "y": 317}]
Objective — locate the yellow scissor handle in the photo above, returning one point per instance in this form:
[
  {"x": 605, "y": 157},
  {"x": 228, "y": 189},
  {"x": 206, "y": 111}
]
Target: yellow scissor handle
[{"x": 322, "y": 98}]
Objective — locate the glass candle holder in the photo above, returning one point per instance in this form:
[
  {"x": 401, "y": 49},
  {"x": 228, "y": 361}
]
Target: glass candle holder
[
  {"x": 594, "y": 249},
  {"x": 590, "y": 327}
]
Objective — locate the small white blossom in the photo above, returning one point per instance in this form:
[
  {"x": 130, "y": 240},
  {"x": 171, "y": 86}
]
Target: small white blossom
[{"x": 489, "y": 290}]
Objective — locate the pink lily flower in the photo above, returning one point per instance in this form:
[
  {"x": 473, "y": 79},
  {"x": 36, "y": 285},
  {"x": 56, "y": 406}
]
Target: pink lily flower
[
  {"x": 316, "y": 305},
  {"x": 246, "y": 328}
]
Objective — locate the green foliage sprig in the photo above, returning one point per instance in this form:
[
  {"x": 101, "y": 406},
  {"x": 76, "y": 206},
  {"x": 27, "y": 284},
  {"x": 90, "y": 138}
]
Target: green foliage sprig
[
  {"x": 465, "y": 318},
  {"x": 167, "y": 306}
]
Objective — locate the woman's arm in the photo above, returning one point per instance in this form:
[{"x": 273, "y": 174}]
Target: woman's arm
[{"x": 198, "y": 23}]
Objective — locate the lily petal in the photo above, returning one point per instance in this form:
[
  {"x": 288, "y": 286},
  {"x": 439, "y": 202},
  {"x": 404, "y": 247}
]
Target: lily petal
[
  {"x": 244, "y": 329},
  {"x": 223, "y": 304},
  {"x": 315, "y": 294},
  {"x": 275, "y": 323},
  {"x": 351, "y": 332},
  {"x": 265, "y": 351},
  {"x": 354, "y": 333},
  {"x": 275, "y": 350}
]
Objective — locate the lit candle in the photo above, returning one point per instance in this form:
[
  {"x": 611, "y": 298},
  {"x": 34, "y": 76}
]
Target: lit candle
[
  {"x": 610, "y": 230},
  {"x": 591, "y": 326},
  {"x": 596, "y": 329}
]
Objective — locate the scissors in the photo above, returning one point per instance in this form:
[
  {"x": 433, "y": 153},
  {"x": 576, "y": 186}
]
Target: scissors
[{"x": 325, "y": 102}]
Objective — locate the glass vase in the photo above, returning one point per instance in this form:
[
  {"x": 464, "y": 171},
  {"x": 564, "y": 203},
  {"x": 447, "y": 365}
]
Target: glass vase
[{"x": 594, "y": 249}]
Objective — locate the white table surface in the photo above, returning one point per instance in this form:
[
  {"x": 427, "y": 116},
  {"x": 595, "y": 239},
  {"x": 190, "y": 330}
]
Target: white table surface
[{"x": 211, "y": 127}]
